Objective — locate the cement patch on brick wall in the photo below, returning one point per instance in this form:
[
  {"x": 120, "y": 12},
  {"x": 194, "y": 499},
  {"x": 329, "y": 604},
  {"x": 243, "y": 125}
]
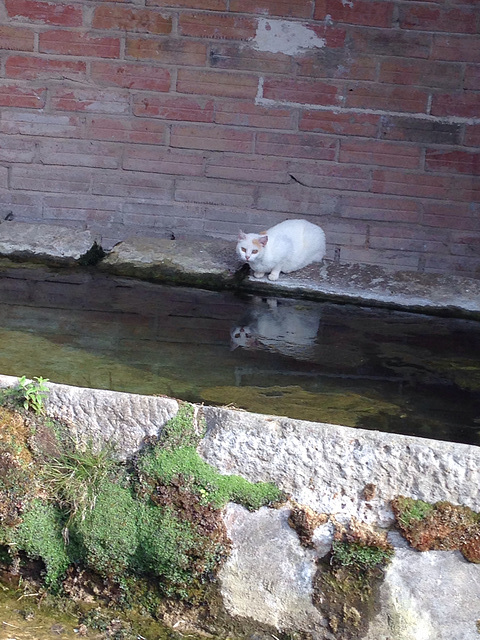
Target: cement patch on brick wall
[{"x": 285, "y": 36}]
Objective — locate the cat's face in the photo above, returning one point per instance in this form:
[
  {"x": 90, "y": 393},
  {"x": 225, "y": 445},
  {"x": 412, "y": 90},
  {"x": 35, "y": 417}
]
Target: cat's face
[
  {"x": 241, "y": 337},
  {"x": 250, "y": 245}
]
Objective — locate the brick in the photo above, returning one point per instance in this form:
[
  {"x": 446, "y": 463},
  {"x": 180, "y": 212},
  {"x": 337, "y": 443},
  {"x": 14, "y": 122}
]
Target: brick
[
  {"x": 250, "y": 168},
  {"x": 173, "y": 108},
  {"x": 284, "y": 8},
  {"x": 16, "y": 39},
  {"x": 377, "y": 152},
  {"x": 296, "y": 199},
  {"x": 22, "y": 97},
  {"x": 348, "y": 233},
  {"x": 217, "y": 83},
  {"x": 50, "y": 179},
  {"x": 461, "y": 48},
  {"x": 208, "y": 5},
  {"x": 442, "y": 75},
  {"x": 330, "y": 176},
  {"x": 54, "y": 13},
  {"x": 217, "y": 26},
  {"x": 211, "y": 191},
  {"x": 132, "y": 184},
  {"x": 211, "y": 138},
  {"x": 16, "y": 149},
  {"x": 404, "y": 238},
  {"x": 344, "y": 124},
  {"x": 246, "y": 114},
  {"x": 452, "y": 161},
  {"x": 388, "y": 42},
  {"x": 73, "y": 43},
  {"x": 472, "y": 135},
  {"x": 131, "y": 75},
  {"x": 427, "y": 18},
  {"x": 450, "y": 215},
  {"x": 411, "y": 129},
  {"x": 464, "y": 104},
  {"x": 126, "y": 130},
  {"x": 376, "y": 207},
  {"x": 338, "y": 66},
  {"x": 33, "y": 123},
  {"x": 174, "y": 51},
  {"x": 472, "y": 77},
  {"x": 44, "y": 68},
  {"x": 81, "y": 153},
  {"x": 130, "y": 19},
  {"x": 387, "y": 98},
  {"x": 300, "y": 91},
  {"x": 94, "y": 216},
  {"x": 162, "y": 219},
  {"x": 237, "y": 56},
  {"x": 25, "y": 207},
  {"x": 371, "y": 14},
  {"x": 90, "y": 100},
  {"x": 296, "y": 145},
  {"x": 161, "y": 160},
  {"x": 425, "y": 185},
  {"x": 391, "y": 259}
]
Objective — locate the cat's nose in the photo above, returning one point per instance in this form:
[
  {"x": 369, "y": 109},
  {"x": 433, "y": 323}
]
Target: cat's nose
[{"x": 247, "y": 258}]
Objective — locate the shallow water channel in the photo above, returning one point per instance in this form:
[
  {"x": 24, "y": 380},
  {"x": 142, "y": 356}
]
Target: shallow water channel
[{"x": 364, "y": 367}]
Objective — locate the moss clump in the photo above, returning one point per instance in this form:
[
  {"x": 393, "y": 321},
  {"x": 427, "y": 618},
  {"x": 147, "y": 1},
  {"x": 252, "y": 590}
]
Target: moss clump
[
  {"x": 346, "y": 588},
  {"x": 158, "y": 519},
  {"x": 40, "y": 535},
  {"x": 17, "y": 483},
  {"x": 174, "y": 457},
  {"x": 443, "y": 526},
  {"x": 108, "y": 533}
]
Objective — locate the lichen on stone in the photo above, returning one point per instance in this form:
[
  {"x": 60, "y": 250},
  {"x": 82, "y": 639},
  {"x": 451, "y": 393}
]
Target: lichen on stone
[{"x": 440, "y": 526}]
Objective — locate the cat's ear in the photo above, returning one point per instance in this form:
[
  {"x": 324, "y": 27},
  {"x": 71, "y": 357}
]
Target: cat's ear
[
  {"x": 241, "y": 235},
  {"x": 263, "y": 240}
]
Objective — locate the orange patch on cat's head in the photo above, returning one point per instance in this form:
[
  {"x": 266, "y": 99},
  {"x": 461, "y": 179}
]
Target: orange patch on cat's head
[
  {"x": 263, "y": 233},
  {"x": 257, "y": 243}
]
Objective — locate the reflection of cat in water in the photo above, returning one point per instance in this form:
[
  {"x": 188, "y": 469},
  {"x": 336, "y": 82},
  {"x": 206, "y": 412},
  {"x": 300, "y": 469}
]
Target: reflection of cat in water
[{"x": 285, "y": 327}]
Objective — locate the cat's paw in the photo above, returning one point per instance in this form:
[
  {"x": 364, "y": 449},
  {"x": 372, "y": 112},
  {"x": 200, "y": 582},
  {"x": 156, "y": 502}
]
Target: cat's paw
[
  {"x": 259, "y": 274},
  {"x": 274, "y": 275}
]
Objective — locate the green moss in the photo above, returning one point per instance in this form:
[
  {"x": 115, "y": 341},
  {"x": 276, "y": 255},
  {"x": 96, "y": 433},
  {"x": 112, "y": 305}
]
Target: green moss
[
  {"x": 163, "y": 466},
  {"x": 40, "y": 535},
  {"x": 359, "y": 556},
  {"x": 108, "y": 533},
  {"x": 409, "y": 511},
  {"x": 181, "y": 431}
]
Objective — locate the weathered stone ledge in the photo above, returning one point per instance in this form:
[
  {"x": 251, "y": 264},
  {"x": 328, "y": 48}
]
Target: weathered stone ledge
[
  {"x": 268, "y": 577},
  {"x": 212, "y": 264}
]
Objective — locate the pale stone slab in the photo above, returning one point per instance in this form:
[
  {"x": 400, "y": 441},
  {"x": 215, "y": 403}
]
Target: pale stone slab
[
  {"x": 121, "y": 420},
  {"x": 326, "y": 467},
  {"x": 209, "y": 263},
  {"x": 433, "y": 595},
  {"x": 268, "y": 576},
  {"x": 42, "y": 242}
]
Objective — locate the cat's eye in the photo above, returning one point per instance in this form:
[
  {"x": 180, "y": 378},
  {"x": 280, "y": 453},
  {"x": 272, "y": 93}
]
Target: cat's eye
[
  {"x": 237, "y": 335},
  {"x": 254, "y": 250},
  {"x": 243, "y": 249}
]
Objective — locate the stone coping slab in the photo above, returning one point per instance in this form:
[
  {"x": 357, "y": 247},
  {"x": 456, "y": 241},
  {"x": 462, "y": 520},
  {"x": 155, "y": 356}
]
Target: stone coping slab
[
  {"x": 212, "y": 263},
  {"x": 49, "y": 244}
]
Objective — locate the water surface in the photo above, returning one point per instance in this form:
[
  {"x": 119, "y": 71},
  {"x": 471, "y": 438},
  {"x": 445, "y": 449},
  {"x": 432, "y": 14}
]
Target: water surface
[{"x": 364, "y": 367}]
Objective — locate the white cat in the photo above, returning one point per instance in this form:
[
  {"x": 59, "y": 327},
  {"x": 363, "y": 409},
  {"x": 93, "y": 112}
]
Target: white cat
[{"x": 286, "y": 247}]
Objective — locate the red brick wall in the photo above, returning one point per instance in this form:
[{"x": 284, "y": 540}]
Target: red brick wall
[{"x": 200, "y": 116}]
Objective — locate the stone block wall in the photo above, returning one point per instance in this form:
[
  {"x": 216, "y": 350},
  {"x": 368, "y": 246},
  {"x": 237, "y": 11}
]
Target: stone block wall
[{"x": 154, "y": 117}]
